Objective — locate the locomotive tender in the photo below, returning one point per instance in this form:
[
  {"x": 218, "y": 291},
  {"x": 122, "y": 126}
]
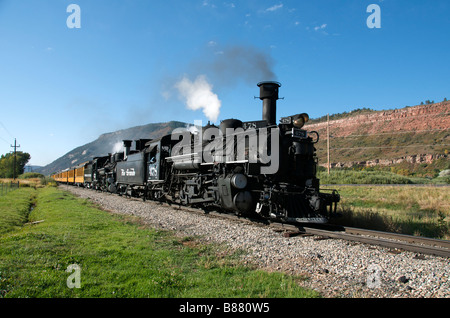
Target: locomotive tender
[{"x": 247, "y": 168}]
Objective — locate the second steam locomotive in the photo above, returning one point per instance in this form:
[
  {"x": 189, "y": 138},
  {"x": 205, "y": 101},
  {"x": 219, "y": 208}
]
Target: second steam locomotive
[{"x": 249, "y": 168}]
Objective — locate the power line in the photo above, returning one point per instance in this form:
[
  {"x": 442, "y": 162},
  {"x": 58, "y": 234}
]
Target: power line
[
  {"x": 6, "y": 129},
  {"x": 4, "y": 140}
]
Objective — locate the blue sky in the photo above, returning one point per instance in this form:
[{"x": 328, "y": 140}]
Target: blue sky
[{"x": 62, "y": 87}]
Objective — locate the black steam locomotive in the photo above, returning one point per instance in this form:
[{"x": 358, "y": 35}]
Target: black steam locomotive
[{"x": 248, "y": 168}]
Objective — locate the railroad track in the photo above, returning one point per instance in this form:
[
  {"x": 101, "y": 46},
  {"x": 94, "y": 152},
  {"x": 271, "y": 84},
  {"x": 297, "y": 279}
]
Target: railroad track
[{"x": 396, "y": 242}]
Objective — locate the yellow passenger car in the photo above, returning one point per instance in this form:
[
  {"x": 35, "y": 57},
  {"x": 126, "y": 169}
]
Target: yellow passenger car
[
  {"x": 79, "y": 173},
  {"x": 71, "y": 175}
]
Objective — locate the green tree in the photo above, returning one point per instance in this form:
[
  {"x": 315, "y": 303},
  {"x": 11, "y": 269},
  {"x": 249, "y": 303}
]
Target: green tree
[{"x": 7, "y": 164}]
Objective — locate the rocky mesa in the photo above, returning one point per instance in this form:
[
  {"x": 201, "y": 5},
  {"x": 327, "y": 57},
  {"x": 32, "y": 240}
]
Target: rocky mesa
[{"x": 417, "y": 134}]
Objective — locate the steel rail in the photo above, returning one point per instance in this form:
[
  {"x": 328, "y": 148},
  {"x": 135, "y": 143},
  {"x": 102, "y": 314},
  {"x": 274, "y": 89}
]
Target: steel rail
[
  {"x": 410, "y": 243},
  {"x": 389, "y": 243},
  {"x": 402, "y": 237}
]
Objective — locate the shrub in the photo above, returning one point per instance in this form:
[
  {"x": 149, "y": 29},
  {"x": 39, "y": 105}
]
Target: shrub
[
  {"x": 29, "y": 175},
  {"x": 362, "y": 177}
]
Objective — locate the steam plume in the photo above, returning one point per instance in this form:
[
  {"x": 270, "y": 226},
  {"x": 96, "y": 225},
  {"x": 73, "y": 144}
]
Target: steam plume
[
  {"x": 117, "y": 147},
  {"x": 198, "y": 95}
]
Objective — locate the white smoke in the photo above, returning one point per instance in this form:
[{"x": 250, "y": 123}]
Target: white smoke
[
  {"x": 198, "y": 95},
  {"x": 118, "y": 147},
  {"x": 192, "y": 129}
]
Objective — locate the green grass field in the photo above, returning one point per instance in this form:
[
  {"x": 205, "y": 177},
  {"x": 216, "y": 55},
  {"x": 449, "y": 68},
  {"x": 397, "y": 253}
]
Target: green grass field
[
  {"x": 346, "y": 176},
  {"x": 44, "y": 230},
  {"x": 14, "y": 208},
  {"x": 117, "y": 256},
  {"x": 414, "y": 210}
]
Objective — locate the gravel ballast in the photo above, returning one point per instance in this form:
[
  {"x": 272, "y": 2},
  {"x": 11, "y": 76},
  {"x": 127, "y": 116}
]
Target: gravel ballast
[{"x": 335, "y": 268}]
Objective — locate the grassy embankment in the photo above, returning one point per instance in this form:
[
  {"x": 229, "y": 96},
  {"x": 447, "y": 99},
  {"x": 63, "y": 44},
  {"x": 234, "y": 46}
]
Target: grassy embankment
[
  {"x": 118, "y": 256},
  {"x": 416, "y": 210},
  {"x": 381, "y": 176},
  {"x": 421, "y": 209}
]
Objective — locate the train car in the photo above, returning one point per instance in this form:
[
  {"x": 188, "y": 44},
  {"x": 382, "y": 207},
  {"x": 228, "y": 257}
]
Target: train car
[
  {"x": 60, "y": 177},
  {"x": 56, "y": 176},
  {"x": 88, "y": 173},
  {"x": 131, "y": 173},
  {"x": 81, "y": 172},
  {"x": 100, "y": 172},
  {"x": 131, "y": 170},
  {"x": 64, "y": 176},
  {"x": 71, "y": 176},
  {"x": 79, "y": 175}
]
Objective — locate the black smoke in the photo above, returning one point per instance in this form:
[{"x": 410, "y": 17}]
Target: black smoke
[{"x": 241, "y": 63}]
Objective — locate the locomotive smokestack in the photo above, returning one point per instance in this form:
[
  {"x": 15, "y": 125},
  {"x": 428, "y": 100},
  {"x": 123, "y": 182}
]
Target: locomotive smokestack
[
  {"x": 127, "y": 146},
  {"x": 269, "y": 95}
]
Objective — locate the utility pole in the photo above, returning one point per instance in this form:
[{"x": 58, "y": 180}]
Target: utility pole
[
  {"x": 328, "y": 142},
  {"x": 15, "y": 147}
]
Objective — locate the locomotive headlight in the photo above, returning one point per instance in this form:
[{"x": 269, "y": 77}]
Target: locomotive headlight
[{"x": 299, "y": 120}]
